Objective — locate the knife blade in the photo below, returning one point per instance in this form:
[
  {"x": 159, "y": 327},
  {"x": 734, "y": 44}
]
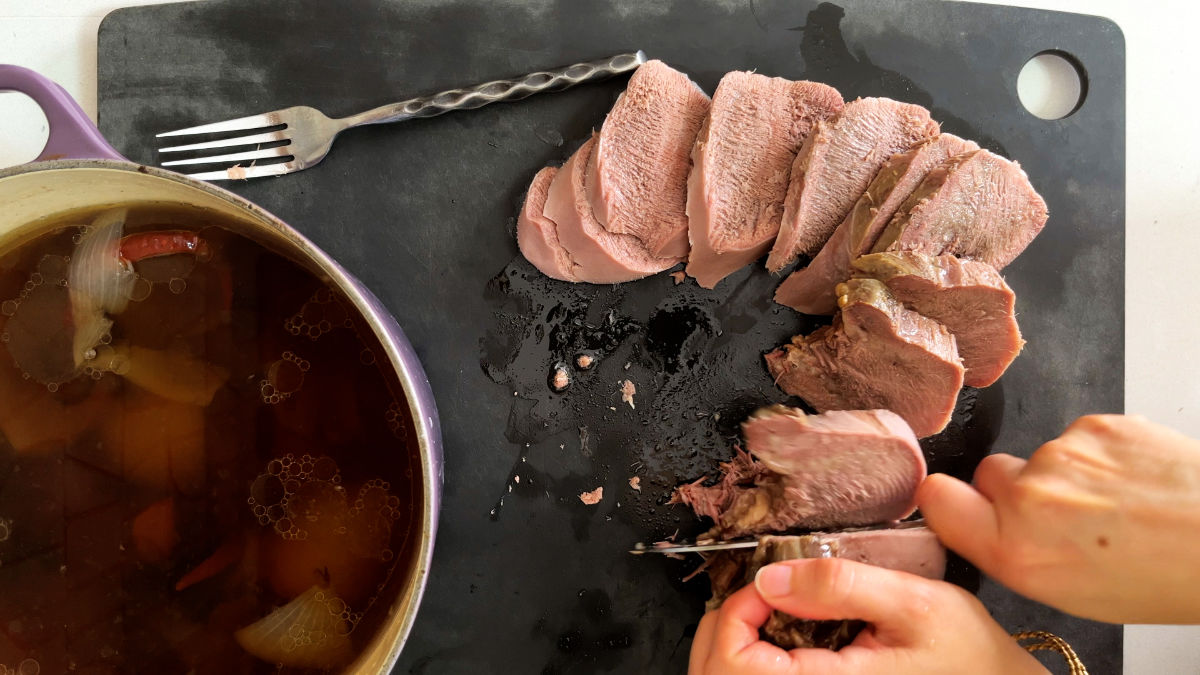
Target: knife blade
[
  {"x": 694, "y": 548},
  {"x": 733, "y": 544}
]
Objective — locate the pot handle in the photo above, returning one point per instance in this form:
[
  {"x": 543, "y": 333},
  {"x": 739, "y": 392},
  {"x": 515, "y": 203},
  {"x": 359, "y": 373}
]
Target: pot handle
[{"x": 72, "y": 133}]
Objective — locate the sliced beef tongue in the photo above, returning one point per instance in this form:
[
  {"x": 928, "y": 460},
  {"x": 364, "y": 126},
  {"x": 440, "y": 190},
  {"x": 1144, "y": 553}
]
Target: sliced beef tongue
[
  {"x": 969, "y": 297},
  {"x": 741, "y": 163},
  {"x": 637, "y": 179},
  {"x": 537, "y": 235},
  {"x": 811, "y": 289},
  {"x": 599, "y": 256},
  {"x": 839, "y": 469},
  {"x": 876, "y": 354},
  {"x": 978, "y": 205},
  {"x": 833, "y": 470},
  {"x": 836, "y": 166}
]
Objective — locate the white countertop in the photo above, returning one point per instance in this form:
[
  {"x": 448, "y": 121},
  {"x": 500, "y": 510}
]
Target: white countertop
[{"x": 58, "y": 39}]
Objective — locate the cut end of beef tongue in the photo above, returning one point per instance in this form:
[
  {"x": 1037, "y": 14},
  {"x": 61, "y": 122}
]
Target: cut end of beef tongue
[
  {"x": 741, "y": 162},
  {"x": 978, "y": 205},
  {"x": 836, "y": 165},
  {"x": 837, "y": 469},
  {"x": 710, "y": 501},
  {"x": 599, "y": 256},
  {"x": 969, "y": 297},
  {"x": 811, "y": 289},
  {"x": 876, "y": 354},
  {"x": 537, "y": 235},
  {"x": 637, "y": 180}
]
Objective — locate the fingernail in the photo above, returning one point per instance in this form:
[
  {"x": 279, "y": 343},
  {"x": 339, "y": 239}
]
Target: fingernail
[{"x": 773, "y": 581}]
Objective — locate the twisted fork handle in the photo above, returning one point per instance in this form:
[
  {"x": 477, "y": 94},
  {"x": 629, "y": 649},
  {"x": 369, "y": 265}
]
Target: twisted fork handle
[{"x": 499, "y": 90}]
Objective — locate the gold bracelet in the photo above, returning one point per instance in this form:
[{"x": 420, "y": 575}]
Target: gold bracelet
[{"x": 1051, "y": 642}]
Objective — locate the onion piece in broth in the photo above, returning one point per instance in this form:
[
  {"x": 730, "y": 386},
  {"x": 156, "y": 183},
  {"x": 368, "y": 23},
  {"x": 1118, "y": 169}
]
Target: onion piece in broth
[
  {"x": 99, "y": 281},
  {"x": 311, "y": 631}
]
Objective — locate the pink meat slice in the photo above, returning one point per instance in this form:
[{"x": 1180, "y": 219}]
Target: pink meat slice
[
  {"x": 876, "y": 354},
  {"x": 600, "y": 256},
  {"x": 637, "y": 182},
  {"x": 537, "y": 235},
  {"x": 911, "y": 548},
  {"x": 969, "y": 297},
  {"x": 741, "y": 163},
  {"x": 811, "y": 289},
  {"x": 836, "y": 166},
  {"x": 836, "y": 469},
  {"x": 978, "y": 205}
]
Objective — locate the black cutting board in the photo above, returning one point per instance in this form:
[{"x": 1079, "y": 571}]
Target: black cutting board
[{"x": 526, "y": 578}]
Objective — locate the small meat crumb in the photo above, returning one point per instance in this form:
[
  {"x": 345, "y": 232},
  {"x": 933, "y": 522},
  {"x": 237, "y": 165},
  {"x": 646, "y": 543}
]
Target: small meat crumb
[
  {"x": 627, "y": 391},
  {"x": 561, "y": 379},
  {"x": 236, "y": 172},
  {"x": 678, "y": 277},
  {"x": 517, "y": 479},
  {"x": 592, "y": 498},
  {"x": 636, "y": 483},
  {"x": 584, "y": 361}
]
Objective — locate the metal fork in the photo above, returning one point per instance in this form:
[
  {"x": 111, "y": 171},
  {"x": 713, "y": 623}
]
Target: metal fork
[{"x": 308, "y": 134}]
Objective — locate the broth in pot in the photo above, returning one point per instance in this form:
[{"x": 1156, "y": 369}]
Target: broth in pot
[{"x": 203, "y": 468}]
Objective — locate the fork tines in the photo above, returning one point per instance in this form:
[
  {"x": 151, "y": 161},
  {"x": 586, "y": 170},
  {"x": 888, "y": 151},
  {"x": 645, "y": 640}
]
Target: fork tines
[{"x": 238, "y": 171}]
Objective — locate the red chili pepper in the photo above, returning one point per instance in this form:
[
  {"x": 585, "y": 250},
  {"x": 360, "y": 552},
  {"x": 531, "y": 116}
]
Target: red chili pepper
[
  {"x": 226, "y": 554},
  {"x": 143, "y": 245}
]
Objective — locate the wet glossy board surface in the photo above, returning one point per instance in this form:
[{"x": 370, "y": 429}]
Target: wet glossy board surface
[{"x": 526, "y": 577}]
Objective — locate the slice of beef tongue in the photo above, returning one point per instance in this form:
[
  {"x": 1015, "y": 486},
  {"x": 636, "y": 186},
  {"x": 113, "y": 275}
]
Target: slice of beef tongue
[
  {"x": 837, "y": 469},
  {"x": 741, "y": 163},
  {"x": 637, "y": 180},
  {"x": 811, "y": 289},
  {"x": 599, "y": 256},
  {"x": 537, "y": 235},
  {"x": 969, "y": 297},
  {"x": 837, "y": 164},
  {"x": 876, "y": 354},
  {"x": 978, "y": 205}
]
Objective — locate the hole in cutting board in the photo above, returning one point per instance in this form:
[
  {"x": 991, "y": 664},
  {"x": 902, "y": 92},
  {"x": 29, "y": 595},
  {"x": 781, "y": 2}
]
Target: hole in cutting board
[
  {"x": 1052, "y": 85},
  {"x": 25, "y": 129}
]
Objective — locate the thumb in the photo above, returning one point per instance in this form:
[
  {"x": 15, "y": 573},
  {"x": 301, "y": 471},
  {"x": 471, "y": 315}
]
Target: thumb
[
  {"x": 836, "y": 588},
  {"x": 963, "y": 519}
]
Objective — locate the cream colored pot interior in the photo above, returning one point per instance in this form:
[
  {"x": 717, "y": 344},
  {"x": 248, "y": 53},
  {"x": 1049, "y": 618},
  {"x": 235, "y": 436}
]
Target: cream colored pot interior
[{"x": 29, "y": 197}]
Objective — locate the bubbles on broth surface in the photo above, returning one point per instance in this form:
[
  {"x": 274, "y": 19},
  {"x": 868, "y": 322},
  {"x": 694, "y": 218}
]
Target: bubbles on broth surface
[
  {"x": 38, "y": 328},
  {"x": 26, "y": 667},
  {"x": 318, "y": 316},
  {"x": 397, "y": 419},
  {"x": 285, "y": 376},
  {"x": 303, "y": 497}
]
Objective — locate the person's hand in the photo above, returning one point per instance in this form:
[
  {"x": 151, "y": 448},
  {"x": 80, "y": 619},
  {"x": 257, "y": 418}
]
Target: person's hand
[
  {"x": 915, "y": 625},
  {"x": 1102, "y": 522}
]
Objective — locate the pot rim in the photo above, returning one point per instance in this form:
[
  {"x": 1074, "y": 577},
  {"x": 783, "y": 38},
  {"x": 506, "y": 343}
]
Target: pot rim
[{"x": 400, "y": 353}]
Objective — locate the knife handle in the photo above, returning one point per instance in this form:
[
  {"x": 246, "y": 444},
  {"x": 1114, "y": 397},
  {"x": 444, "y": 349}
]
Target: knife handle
[{"x": 499, "y": 90}]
